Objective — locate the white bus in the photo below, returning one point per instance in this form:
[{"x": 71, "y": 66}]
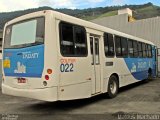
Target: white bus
[{"x": 51, "y": 56}]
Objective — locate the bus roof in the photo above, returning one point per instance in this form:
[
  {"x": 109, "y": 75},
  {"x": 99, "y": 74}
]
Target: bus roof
[{"x": 77, "y": 21}]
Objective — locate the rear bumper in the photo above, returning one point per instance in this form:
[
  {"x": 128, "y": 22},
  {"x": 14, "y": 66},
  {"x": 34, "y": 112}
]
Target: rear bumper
[{"x": 45, "y": 94}]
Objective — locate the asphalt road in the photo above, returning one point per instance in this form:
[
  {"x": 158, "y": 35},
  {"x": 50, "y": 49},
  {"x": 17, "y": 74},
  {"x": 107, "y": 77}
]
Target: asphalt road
[{"x": 142, "y": 98}]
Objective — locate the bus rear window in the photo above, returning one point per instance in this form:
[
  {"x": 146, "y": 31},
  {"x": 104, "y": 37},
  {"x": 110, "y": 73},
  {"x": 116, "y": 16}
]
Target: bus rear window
[{"x": 25, "y": 33}]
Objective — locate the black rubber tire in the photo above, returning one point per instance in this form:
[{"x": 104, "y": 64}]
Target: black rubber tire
[
  {"x": 150, "y": 73},
  {"x": 110, "y": 82},
  {"x": 149, "y": 76}
]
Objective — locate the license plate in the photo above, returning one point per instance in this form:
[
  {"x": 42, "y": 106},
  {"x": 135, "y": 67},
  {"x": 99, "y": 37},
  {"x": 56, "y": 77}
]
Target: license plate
[{"x": 21, "y": 80}]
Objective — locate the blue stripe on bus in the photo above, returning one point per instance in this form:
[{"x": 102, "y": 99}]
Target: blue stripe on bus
[
  {"x": 139, "y": 67},
  {"x": 140, "y": 75}
]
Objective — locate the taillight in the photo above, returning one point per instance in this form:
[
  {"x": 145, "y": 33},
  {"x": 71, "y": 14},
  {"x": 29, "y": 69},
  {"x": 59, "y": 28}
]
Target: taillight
[
  {"x": 46, "y": 77},
  {"x": 49, "y": 71}
]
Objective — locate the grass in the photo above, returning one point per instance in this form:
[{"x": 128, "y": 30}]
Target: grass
[
  {"x": 111, "y": 13},
  {"x": 146, "y": 9}
]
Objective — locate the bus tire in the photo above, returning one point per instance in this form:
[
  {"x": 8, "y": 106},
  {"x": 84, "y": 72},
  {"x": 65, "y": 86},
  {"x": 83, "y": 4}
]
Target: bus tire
[
  {"x": 149, "y": 73},
  {"x": 113, "y": 86}
]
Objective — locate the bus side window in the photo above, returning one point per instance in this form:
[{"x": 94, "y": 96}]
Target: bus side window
[
  {"x": 147, "y": 50},
  {"x": 130, "y": 48},
  {"x": 140, "y": 52},
  {"x": 124, "y": 45},
  {"x": 150, "y": 51},
  {"x": 73, "y": 40},
  {"x": 80, "y": 41},
  {"x": 144, "y": 50},
  {"x": 118, "y": 46},
  {"x": 67, "y": 43},
  {"x": 135, "y": 49},
  {"x": 108, "y": 45}
]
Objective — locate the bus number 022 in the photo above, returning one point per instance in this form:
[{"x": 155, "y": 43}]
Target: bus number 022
[{"x": 66, "y": 67}]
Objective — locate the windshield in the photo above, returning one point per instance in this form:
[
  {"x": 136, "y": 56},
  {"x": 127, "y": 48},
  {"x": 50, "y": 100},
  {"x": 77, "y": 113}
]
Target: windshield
[{"x": 25, "y": 34}]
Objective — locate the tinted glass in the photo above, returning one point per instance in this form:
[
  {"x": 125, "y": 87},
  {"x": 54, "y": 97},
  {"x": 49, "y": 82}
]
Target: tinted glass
[
  {"x": 80, "y": 41},
  {"x": 108, "y": 44},
  {"x": 118, "y": 46},
  {"x": 144, "y": 49},
  {"x": 72, "y": 40},
  {"x": 130, "y": 48},
  {"x": 140, "y": 49},
  {"x": 150, "y": 51},
  {"x": 135, "y": 49},
  {"x": 124, "y": 48},
  {"x": 67, "y": 42}
]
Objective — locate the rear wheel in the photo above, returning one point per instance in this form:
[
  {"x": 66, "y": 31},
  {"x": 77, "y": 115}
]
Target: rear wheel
[
  {"x": 149, "y": 73},
  {"x": 113, "y": 86}
]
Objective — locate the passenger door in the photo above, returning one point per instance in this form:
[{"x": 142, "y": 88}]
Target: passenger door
[{"x": 96, "y": 74}]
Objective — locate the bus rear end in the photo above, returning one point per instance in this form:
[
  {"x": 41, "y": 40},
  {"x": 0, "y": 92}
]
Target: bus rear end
[{"x": 24, "y": 69}]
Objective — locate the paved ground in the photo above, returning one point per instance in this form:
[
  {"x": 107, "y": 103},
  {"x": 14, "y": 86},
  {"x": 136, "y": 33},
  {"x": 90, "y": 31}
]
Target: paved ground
[{"x": 140, "y": 98}]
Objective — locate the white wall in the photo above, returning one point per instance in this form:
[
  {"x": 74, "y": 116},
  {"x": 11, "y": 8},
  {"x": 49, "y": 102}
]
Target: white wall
[{"x": 148, "y": 29}]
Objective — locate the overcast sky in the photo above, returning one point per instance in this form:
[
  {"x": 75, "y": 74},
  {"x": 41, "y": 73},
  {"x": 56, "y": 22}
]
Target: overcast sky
[{"x": 13, "y": 5}]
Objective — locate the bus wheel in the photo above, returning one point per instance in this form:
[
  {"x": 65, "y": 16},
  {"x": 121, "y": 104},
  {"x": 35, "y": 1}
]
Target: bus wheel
[
  {"x": 149, "y": 73},
  {"x": 113, "y": 87}
]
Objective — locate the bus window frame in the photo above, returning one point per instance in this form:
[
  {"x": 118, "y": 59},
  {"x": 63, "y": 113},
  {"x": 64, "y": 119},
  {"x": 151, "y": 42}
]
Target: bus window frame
[
  {"x": 60, "y": 39},
  {"x": 113, "y": 37},
  {"x": 23, "y": 21}
]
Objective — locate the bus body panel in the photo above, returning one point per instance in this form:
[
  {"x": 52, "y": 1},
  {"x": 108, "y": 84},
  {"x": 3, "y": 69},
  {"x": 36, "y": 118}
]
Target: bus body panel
[
  {"x": 75, "y": 91},
  {"x": 51, "y": 51},
  {"x": 72, "y": 77},
  {"x": 120, "y": 69},
  {"x": 125, "y": 69},
  {"x": 35, "y": 83},
  {"x": 74, "y": 73},
  {"x": 47, "y": 94}
]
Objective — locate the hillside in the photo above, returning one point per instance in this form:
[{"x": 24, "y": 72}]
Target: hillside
[{"x": 140, "y": 12}]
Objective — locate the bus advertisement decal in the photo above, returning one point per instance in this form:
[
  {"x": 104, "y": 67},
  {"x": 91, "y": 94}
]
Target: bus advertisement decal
[
  {"x": 139, "y": 67},
  {"x": 21, "y": 61}
]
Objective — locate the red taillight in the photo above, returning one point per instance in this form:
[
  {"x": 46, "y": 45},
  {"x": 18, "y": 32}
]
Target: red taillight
[{"x": 46, "y": 77}]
